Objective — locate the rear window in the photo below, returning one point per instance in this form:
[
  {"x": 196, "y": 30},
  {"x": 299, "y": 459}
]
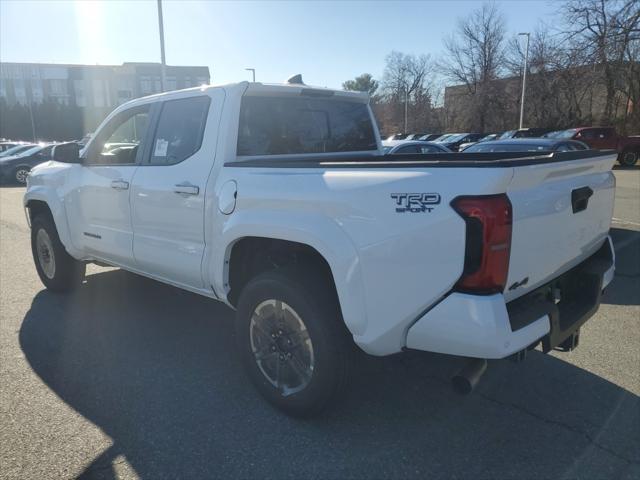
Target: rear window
[{"x": 298, "y": 125}]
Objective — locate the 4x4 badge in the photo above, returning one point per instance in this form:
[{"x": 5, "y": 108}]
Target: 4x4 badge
[{"x": 415, "y": 202}]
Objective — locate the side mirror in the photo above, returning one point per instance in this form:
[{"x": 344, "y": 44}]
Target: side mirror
[{"x": 67, "y": 153}]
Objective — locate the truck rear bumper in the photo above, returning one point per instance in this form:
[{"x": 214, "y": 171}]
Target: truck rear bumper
[{"x": 488, "y": 327}]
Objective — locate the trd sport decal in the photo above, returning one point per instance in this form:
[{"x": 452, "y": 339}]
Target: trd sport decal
[{"x": 415, "y": 202}]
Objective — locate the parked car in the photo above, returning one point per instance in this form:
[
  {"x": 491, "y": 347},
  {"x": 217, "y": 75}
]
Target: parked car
[
  {"x": 454, "y": 141},
  {"x": 16, "y": 168},
  {"x": 442, "y": 138},
  {"x": 538, "y": 145},
  {"x": 398, "y": 136},
  {"x": 17, "y": 149},
  {"x": 524, "y": 133},
  {"x": 408, "y": 146},
  {"x": 4, "y": 146},
  {"x": 415, "y": 136},
  {"x": 486, "y": 138},
  {"x": 431, "y": 137},
  {"x": 358, "y": 248},
  {"x": 606, "y": 138}
]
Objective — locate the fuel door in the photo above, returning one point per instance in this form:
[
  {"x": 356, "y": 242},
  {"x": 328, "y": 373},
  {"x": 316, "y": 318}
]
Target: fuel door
[{"x": 227, "y": 197}]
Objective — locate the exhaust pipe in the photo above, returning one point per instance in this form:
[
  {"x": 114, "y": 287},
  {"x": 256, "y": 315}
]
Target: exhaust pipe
[{"x": 468, "y": 377}]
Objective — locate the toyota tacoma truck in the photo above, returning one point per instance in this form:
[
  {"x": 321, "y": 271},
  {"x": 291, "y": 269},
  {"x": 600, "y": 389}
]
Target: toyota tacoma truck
[{"x": 278, "y": 201}]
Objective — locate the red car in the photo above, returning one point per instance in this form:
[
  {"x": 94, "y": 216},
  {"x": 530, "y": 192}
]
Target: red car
[{"x": 605, "y": 138}]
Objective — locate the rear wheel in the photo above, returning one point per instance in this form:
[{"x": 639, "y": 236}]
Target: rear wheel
[
  {"x": 629, "y": 158},
  {"x": 292, "y": 341},
  {"x": 58, "y": 270}
]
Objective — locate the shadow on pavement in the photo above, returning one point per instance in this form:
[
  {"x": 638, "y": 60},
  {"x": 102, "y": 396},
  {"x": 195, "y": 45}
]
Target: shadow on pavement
[
  {"x": 154, "y": 367},
  {"x": 625, "y": 288},
  {"x": 617, "y": 166}
]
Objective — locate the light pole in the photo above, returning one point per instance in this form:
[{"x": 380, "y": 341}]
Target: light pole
[
  {"x": 253, "y": 72},
  {"x": 33, "y": 124},
  {"x": 524, "y": 76},
  {"x": 406, "y": 101},
  {"x": 163, "y": 69}
]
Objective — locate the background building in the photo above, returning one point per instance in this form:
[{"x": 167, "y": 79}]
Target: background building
[{"x": 62, "y": 102}]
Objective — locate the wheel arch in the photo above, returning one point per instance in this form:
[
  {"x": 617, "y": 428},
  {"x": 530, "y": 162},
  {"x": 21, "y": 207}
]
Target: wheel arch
[
  {"x": 251, "y": 256},
  {"x": 39, "y": 200},
  {"x": 334, "y": 256}
]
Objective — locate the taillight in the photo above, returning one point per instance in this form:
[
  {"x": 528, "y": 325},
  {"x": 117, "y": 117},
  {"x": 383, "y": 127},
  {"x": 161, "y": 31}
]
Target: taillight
[{"x": 488, "y": 242}]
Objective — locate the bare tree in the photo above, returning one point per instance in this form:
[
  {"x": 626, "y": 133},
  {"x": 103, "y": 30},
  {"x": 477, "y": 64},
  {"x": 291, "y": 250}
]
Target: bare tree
[
  {"x": 606, "y": 31},
  {"x": 475, "y": 58},
  {"x": 407, "y": 79},
  {"x": 560, "y": 86}
]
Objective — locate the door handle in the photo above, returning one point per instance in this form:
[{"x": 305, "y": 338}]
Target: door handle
[
  {"x": 186, "y": 189},
  {"x": 120, "y": 185}
]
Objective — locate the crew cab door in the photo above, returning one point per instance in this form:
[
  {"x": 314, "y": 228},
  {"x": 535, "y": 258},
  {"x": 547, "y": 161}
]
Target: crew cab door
[
  {"x": 168, "y": 195},
  {"x": 98, "y": 209}
]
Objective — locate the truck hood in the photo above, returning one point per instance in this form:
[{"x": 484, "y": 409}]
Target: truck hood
[{"x": 49, "y": 172}]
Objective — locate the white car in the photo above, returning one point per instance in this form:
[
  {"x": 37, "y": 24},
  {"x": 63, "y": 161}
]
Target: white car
[{"x": 278, "y": 201}]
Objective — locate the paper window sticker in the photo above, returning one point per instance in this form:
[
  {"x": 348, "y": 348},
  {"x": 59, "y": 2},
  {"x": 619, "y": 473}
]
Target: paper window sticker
[{"x": 161, "y": 148}]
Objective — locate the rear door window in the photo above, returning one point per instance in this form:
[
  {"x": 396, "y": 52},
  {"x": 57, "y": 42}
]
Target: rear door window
[
  {"x": 180, "y": 130},
  {"x": 302, "y": 125},
  {"x": 588, "y": 134}
]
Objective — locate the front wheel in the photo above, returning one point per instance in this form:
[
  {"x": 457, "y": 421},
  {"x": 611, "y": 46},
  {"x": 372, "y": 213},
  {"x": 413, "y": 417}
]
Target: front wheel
[
  {"x": 58, "y": 270},
  {"x": 292, "y": 341}
]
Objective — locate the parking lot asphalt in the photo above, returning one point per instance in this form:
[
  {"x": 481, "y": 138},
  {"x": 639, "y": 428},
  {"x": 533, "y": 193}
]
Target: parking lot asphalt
[{"x": 129, "y": 378}]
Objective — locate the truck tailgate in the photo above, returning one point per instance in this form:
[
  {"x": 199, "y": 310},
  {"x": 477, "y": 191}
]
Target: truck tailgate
[{"x": 561, "y": 215}]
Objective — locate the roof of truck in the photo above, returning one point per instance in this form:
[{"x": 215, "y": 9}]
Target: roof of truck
[{"x": 242, "y": 88}]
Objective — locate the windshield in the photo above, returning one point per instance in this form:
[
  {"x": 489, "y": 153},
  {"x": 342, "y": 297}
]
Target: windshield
[
  {"x": 507, "y": 134},
  {"x": 15, "y": 150},
  {"x": 455, "y": 138},
  {"x": 442, "y": 138},
  {"x": 30, "y": 151}
]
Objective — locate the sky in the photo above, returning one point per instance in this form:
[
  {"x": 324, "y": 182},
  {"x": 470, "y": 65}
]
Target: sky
[{"x": 327, "y": 42}]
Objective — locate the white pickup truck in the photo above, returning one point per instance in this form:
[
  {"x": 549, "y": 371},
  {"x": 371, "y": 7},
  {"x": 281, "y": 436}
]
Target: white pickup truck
[{"x": 278, "y": 201}]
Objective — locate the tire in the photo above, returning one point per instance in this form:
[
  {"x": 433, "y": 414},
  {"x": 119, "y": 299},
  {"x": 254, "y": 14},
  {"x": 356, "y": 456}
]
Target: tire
[
  {"x": 20, "y": 175},
  {"x": 312, "y": 365},
  {"x": 58, "y": 270},
  {"x": 628, "y": 158}
]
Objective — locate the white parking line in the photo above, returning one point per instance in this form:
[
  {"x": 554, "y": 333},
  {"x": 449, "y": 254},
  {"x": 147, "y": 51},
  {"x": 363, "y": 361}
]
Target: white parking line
[{"x": 624, "y": 222}]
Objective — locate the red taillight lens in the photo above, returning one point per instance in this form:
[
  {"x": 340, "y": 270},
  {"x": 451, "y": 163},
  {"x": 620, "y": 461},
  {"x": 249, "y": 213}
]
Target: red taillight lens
[{"x": 488, "y": 245}]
